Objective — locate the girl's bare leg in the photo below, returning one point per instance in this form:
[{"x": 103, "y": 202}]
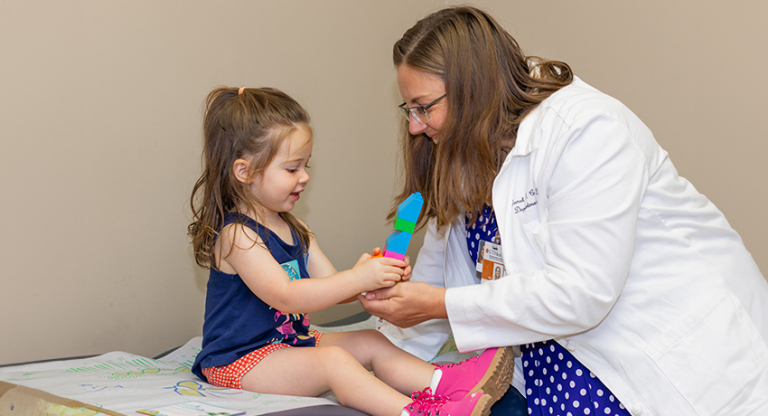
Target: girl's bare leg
[
  {"x": 403, "y": 371},
  {"x": 312, "y": 371}
]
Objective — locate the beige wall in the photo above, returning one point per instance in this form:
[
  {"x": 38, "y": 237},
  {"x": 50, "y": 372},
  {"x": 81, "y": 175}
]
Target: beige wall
[{"x": 100, "y": 108}]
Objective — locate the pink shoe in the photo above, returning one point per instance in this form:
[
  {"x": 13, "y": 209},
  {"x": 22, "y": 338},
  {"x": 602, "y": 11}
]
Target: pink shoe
[
  {"x": 490, "y": 373},
  {"x": 427, "y": 404}
]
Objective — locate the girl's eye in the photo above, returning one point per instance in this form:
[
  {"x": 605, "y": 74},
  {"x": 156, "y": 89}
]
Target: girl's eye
[{"x": 294, "y": 170}]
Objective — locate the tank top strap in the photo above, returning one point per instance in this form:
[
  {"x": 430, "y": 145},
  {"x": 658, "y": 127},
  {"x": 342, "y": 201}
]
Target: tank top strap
[
  {"x": 235, "y": 217},
  {"x": 263, "y": 232}
]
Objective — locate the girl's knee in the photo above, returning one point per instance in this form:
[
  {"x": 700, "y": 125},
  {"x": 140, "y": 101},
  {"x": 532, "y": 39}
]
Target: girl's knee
[
  {"x": 374, "y": 336},
  {"x": 334, "y": 355}
]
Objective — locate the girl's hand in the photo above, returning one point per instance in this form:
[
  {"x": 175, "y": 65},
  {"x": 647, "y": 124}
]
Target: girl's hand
[
  {"x": 379, "y": 272},
  {"x": 406, "y": 270}
]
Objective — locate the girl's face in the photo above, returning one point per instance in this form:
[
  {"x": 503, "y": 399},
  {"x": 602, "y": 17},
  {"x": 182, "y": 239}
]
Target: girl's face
[
  {"x": 280, "y": 184},
  {"x": 420, "y": 88}
]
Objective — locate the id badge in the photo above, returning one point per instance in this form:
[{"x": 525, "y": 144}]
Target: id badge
[{"x": 490, "y": 265}]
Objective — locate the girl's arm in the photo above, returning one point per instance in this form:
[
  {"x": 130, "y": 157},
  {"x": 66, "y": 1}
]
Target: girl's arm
[
  {"x": 267, "y": 280},
  {"x": 324, "y": 267},
  {"x": 319, "y": 265}
]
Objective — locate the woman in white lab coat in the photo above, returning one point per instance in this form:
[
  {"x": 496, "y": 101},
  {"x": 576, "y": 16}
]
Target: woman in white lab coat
[{"x": 627, "y": 290}]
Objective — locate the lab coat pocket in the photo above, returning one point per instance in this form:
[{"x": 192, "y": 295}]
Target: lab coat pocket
[
  {"x": 715, "y": 357},
  {"x": 536, "y": 233}
]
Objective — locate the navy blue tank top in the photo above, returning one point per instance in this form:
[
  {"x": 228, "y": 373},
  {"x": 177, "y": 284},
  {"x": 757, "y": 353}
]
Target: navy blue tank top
[{"x": 237, "y": 321}]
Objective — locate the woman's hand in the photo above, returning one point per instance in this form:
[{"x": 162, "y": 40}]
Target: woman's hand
[
  {"x": 406, "y": 304},
  {"x": 407, "y": 269}
]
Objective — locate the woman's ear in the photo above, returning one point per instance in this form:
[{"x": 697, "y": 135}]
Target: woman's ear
[{"x": 242, "y": 171}]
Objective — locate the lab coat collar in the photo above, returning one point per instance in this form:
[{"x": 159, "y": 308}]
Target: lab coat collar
[{"x": 524, "y": 144}]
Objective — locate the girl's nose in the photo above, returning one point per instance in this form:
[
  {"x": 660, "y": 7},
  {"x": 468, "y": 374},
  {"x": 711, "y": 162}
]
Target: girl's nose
[
  {"x": 305, "y": 177},
  {"x": 415, "y": 127}
]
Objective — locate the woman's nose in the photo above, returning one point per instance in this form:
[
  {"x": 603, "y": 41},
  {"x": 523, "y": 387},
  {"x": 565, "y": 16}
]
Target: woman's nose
[{"x": 415, "y": 126}]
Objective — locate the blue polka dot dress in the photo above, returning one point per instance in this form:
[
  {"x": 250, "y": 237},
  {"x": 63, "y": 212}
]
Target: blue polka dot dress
[
  {"x": 483, "y": 228},
  {"x": 556, "y": 383}
]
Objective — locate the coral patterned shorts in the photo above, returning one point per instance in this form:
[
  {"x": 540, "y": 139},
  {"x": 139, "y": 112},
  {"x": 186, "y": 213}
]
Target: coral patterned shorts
[{"x": 230, "y": 375}]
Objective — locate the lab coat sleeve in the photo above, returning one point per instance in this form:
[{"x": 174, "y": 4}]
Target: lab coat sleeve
[
  {"x": 590, "y": 175},
  {"x": 424, "y": 340}
]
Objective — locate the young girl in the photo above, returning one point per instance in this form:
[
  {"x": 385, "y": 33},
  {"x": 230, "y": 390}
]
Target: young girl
[{"x": 257, "y": 146}]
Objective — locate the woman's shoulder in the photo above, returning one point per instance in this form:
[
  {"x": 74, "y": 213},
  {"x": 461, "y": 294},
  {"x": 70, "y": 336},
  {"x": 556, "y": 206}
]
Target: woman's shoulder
[
  {"x": 578, "y": 108},
  {"x": 574, "y": 107},
  {"x": 578, "y": 98}
]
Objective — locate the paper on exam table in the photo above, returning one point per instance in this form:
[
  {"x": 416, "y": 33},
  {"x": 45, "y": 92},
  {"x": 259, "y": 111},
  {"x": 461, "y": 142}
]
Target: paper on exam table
[{"x": 125, "y": 383}]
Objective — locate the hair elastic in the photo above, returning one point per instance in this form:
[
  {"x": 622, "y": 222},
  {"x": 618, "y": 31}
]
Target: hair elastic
[{"x": 241, "y": 91}]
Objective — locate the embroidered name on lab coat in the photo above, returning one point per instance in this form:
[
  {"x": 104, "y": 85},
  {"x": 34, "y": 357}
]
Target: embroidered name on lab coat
[{"x": 528, "y": 200}]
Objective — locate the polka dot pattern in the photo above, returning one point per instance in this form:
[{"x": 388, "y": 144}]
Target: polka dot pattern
[
  {"x": 231, "y": 375},
  {"x": 555, "y": 382},
  {"x": 482, "y": 229},
  {"x": 558, "y": 384}
]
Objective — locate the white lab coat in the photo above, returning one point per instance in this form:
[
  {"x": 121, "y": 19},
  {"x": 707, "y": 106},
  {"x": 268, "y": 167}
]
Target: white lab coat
[{"x": 612, "y": 254}]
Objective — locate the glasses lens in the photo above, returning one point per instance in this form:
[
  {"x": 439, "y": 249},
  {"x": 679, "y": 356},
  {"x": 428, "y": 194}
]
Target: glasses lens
[
  {"x": 421, "y": 115},
  {"x": 405, "y": 111}
]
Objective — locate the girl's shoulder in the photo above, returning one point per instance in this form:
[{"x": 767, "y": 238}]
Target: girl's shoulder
[
  {"x": 242, "y": 228},
  {"x": 237, "y": 236},
  {"x": 304, "y": 224},
  {"x": 239, "y": 218},
  {"x": 237, "y": 228},
  {"x": 310, "y": 234}
]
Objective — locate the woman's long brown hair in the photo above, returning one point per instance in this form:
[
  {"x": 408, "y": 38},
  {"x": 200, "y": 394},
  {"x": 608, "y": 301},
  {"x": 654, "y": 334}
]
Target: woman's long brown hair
[
  {"x": 490, "y": 85},
  {"x": 250, "y": 125}
]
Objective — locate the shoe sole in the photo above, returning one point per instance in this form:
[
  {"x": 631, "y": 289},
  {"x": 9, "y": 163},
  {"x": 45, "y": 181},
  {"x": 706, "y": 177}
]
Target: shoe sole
[
  {"x": 483, "y": 406},
  {"x": 498, "y": 377}
]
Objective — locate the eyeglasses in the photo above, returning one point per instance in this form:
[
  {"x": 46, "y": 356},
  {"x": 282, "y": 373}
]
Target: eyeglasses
[{"x": 419, "y": 112}]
